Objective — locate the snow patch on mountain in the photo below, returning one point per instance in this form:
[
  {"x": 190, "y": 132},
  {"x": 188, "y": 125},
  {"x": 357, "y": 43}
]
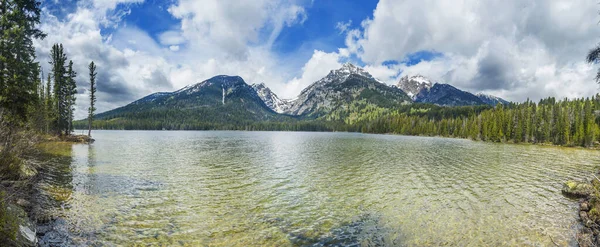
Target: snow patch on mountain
[
  {"x": 491, "y": 99},
  {"x": 413, "y": 85},
  {"x": 271, "y": 100}
]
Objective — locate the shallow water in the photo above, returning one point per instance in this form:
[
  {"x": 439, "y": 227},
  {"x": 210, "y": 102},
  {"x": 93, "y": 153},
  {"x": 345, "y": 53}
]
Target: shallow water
[{"x": 291, "y": 188}]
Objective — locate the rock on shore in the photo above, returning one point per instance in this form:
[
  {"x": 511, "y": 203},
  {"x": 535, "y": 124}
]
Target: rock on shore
[
  {"x": 589, "y": 210},
  {"x": 577, "y": 189}
]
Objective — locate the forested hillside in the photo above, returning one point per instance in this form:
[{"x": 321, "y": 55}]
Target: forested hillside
[{"x": 566, "y": 122}]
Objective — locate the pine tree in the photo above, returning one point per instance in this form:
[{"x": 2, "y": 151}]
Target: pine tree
[
  {"x": 48, "y": 106},
  {"x": 588, "y": 124},
  {"x": 60, "y": 101},
  {"x": 71, "y": 89},
  {"x": 18, "y": 76},
  {"x": 92, "y": 109}
]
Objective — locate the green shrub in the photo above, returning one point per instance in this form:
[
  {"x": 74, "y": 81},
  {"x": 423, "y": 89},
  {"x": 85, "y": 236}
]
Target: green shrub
[{"x": 8, "y": 221}]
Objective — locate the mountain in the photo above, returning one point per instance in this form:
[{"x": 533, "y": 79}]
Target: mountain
[
  {"x": 491, "y": 100},
  {"x": 221, "y": 99},
  {"x": 421, "y": 89},
  {"x": 413, "y": 85},
  {"x": 447, "y": 95},
  {"x": 342, "y": 87},
  {"x": 271, "y": 100},
  {"x": 152, "y": 97}
]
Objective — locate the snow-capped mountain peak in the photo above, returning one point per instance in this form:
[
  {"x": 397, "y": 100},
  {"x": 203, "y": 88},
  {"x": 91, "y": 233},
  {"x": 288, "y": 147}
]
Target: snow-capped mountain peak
[
  {"x": 271, "y": 100},
  {"x": 342, "y": 85},
  {"x": 348, "y": 69},
  {"x": 413, "y": 85}
]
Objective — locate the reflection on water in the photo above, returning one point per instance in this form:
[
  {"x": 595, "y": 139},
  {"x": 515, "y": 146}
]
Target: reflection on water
[{"x": 282, "y": 189}]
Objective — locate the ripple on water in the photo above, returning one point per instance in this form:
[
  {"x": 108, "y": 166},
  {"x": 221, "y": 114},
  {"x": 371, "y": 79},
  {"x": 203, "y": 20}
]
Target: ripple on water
[{"x": 281, "y": 188}]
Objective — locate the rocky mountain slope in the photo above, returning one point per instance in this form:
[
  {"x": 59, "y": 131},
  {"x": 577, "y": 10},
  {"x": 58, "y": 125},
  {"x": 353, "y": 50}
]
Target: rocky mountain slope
[
  {"x": 341, "y": 87},
  {"x": 447, "y": 95},
  {"x": 414, "y": 84},
  {"x": 423, "y": 90},
  {"x": 271, "y": 100}
]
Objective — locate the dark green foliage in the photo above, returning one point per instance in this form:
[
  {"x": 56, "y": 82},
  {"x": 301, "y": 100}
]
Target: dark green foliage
[
  {"x": 71, "y": 88},
  {"x": 64, "y": 90},
  {"x": 18, "y": 70},
  {"x": 92, "y": 109},
  {"x": 594, "y": 57},
  {"x": 8, "y": 222},
  {"x": 567, "y": 122}
]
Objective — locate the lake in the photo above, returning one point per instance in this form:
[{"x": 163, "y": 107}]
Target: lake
[{"x": 228, "y": 188}]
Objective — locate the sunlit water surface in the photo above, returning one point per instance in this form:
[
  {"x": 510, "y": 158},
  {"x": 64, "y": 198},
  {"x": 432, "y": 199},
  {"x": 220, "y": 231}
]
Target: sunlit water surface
[{"x": 314, "y": 189}]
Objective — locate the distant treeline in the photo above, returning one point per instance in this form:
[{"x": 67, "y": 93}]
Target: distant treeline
[{"x": 566, "y": 122}]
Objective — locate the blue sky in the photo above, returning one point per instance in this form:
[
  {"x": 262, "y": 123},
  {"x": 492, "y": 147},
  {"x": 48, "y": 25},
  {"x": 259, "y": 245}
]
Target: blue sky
[
  {"x": 511, "y": 48},
  {"x": 319, "y": 32}
]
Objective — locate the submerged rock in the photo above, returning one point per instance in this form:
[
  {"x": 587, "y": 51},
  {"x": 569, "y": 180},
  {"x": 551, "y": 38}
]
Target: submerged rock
[
  {"x": 364, "y": 230},
  {"x": 54, "y": 233},
  {"x": 577, "y": 189}
]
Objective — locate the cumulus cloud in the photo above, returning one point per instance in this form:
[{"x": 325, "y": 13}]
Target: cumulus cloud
[
  {"x": 492, "y": 46},
  {"x": 316, "y": 68},
  {"x": 229, "y": 27},
  {"x": 514, "y": 49}
]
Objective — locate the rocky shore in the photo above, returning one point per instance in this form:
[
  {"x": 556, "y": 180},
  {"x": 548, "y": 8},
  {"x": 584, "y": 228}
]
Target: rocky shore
[
  {"x": 589, "y": 209},
  {"x": 23, "y": 205}
]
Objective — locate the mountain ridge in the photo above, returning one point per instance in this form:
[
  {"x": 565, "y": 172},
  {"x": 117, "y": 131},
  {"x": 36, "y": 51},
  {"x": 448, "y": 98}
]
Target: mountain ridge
[
  {"x": 341, "y": 92},
  {"x": 423, "y": 90},
  {"x": 221, "y": 98},
  {"x": 341, "y": 86}
]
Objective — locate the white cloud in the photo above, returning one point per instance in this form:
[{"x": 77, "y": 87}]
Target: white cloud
[
  {"x": 316, "y": 68},
  {"x": 130, "y": 63},
  {"x": 343, "y": 26},
  {"x": 171, "y": 38},
  {"x": 387, "y": 74},
  {"x": 514, "y": 49},
  {"x": 230, "y": 27},
  {"x": 104, "y": 5},
  {"x": 493, "y": 46}
]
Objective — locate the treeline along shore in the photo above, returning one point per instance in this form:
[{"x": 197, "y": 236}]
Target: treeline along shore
[{"x": 549, "y": 121}]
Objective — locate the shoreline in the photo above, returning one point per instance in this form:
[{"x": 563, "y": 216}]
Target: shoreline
[
  {"x": 588, "y": 211},
  {"x": 23, "y": 205},
  {"x": 545, "y": 144}
]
